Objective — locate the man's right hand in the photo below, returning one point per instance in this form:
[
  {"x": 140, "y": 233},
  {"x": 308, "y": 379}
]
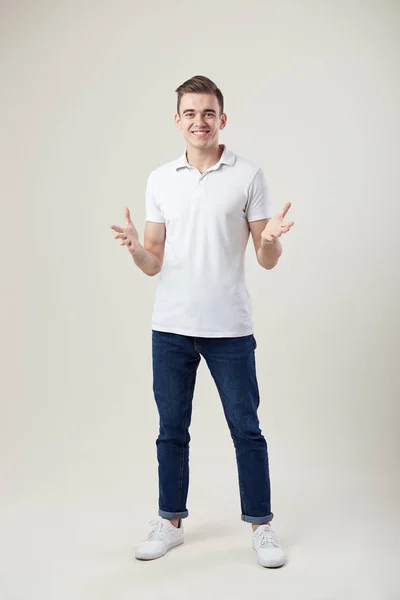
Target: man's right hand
[{"x": 127, "y": 234}]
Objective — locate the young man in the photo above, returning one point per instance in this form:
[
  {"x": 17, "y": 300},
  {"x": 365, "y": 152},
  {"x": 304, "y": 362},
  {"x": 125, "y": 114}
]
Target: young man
[{"x": 200, "y": 210}]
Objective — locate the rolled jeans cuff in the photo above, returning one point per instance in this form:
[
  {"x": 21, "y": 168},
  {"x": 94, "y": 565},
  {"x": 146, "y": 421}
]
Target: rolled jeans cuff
[
  {"x": 173, "y": 515},
  {"x": 258, "y": 520}
]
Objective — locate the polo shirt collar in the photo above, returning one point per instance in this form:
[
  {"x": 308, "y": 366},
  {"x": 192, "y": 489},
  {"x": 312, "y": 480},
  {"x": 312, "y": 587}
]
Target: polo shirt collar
[{"x": 227, "y": 158}]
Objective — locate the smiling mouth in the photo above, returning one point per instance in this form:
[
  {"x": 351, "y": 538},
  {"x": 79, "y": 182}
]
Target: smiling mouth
[{"x": 200, "y": 133}]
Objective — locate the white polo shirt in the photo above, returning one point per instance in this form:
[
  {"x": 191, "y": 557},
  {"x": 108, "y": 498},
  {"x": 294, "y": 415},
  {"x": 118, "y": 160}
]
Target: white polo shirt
[{"x": 201, "y": 289}]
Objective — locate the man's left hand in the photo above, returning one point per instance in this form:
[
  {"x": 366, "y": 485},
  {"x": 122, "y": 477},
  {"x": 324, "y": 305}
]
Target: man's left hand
[{"x": 276, "y": 226}]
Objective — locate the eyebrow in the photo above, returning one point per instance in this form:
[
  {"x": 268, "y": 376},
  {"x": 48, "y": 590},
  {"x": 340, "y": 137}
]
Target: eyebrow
[{"x": 205, "y": 110}]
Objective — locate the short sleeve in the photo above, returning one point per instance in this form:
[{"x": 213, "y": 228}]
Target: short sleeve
[
  {"x": 258, "y": 204},
  {"x": 153, "y": 212}
]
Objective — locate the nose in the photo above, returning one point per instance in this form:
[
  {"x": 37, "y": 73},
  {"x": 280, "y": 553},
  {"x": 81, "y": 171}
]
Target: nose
[{"x": 199, "y": 123}]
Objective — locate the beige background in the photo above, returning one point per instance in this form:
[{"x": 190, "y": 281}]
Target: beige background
[{"x": 87, "y": 102}]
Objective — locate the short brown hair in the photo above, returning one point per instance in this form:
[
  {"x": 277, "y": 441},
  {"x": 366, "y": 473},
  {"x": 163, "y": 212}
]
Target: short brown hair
[{"x": 200, "y": 85}]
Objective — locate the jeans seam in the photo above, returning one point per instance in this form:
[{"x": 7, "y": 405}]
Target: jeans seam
[{"x": 184, "y": 441}]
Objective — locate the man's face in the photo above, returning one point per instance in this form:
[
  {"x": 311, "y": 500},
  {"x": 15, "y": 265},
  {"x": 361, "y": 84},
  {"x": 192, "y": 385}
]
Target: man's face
[{"x": 200, "y": 120}]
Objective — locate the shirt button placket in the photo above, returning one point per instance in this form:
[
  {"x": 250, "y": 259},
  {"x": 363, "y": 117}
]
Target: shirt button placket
[{"x": 199, "y": 188}]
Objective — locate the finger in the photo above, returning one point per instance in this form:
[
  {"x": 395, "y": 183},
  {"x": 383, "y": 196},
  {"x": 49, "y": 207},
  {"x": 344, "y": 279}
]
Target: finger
[
  {"x": 287, "y": 224},
  {"x": 127, "y": 216},
  {"x": 120, "y": 236},
  {"x": 116, "y": 228},
  {"x": 285, "y": 209}
]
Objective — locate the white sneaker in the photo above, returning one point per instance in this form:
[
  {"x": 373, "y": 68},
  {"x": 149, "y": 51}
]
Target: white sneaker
[
  {"x": 161, "y": 538},
  {"x": 269, "y": 552}
]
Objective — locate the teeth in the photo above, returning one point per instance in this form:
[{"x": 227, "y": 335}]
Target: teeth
[{"x": 199, "y": 132}]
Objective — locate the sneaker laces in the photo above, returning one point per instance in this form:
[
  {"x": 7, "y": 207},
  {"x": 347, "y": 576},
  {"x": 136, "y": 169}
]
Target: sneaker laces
[
  {"x": 266, "y": 537},
  {"x": 158, "y": 530}
]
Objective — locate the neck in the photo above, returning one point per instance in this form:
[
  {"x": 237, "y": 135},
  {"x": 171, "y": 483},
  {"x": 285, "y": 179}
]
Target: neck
[{"x": 204, "y": 159}]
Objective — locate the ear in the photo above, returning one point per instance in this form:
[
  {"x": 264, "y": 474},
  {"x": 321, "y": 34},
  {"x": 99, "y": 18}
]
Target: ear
[
  {"x": 223, "y": 121},
  {"x": 177, "y": 120}
]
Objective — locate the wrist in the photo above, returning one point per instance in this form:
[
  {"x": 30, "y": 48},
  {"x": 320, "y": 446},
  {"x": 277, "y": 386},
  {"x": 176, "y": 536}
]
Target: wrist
[
  {"x": 267, "y": 242},
  {"x": 135, "y": 248}
]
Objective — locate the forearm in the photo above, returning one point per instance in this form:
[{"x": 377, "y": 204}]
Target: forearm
[
  {"x": 145, "y": 260},
  {"x": 268, "y": 254}
]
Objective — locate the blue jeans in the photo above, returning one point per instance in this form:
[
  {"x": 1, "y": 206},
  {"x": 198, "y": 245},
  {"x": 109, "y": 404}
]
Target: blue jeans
[{"x": 231, "y": 362}]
